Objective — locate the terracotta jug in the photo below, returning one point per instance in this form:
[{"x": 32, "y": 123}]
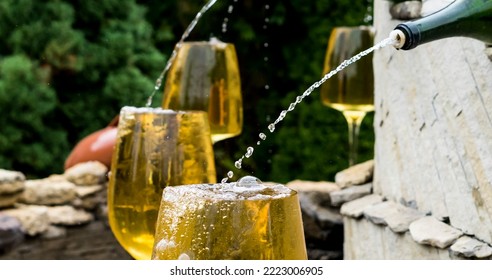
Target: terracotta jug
[{"x": 97, "y": 146}]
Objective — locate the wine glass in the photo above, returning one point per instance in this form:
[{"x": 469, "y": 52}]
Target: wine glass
[
  {"x": 351, "y": 91},
  {"x": 244, "y": 220},
  {"x": 154, "y": 148},
  {"x": 205, "y": 76}
]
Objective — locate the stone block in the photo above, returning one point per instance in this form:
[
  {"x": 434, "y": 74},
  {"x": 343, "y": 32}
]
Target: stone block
[
  {"x": 48, "y": 192},
  {"x": 406, "y": 10},
  {"x": 87, "y": 173},
  {"x": 11, "y": 182},
  {"x": 318, "y": 192},
  {"x": 9, "y": 200},
  {"x": 358, "y": 174},
  {"x": 430, "y": 231},
  {"x": 356, "y": 208},
  {"x": 10, "y": 232},
  {"x": 471, "y": 248},
  {"x": 34, "y": 219},
  {"x": 396, "y": 216},
  {"x": 350, "y": 193},
  {"x": 68, "y": 216}
]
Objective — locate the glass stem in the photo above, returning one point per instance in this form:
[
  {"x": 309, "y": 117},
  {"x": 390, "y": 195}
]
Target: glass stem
[{"x": 354, "y": 119}]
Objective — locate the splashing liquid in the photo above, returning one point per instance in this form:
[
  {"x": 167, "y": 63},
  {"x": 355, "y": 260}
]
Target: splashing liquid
[
  {"x": 391, "y": 40},
  {"x": 225, "y": 22},
  {"x": 185, "y": 35}
]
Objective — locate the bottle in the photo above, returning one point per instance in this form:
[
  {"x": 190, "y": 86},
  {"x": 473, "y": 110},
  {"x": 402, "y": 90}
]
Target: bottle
[{"x": 467, "y": 18}]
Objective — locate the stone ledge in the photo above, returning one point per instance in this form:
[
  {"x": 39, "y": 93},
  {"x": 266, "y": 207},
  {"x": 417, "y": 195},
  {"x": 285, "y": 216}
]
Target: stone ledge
[
  {"x": 423, "y": 230},
  {"x": 396, "y": 218},
  {"x": 58, "y": 217}
]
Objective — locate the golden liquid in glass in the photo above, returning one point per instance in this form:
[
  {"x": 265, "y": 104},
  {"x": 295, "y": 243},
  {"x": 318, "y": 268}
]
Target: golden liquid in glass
[
  {"x": 154, "y": 149},
  {"x": 205, "y": 76},
  {"x": 207, "y": 222},
  {"x": 353, "y": 88}
]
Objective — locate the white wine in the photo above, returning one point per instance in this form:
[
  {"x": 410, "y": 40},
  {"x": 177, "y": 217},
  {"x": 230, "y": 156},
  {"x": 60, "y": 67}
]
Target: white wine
[
  {"x": 353, "y": 88},
  {"x": 155, "y": 148},
  {"x": 205, "y": 76},
  {"x": 226, "y": 221}
]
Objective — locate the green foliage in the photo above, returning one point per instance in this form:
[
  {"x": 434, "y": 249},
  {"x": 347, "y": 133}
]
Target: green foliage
[
  {"x": 85, "y": 59},
  {"x": 67, "y": 69},
  {"x": 28, "y": 139}
]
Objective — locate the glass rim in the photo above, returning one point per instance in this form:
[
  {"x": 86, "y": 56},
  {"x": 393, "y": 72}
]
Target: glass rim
[
  {"x": 205, "y": 191},
  {"x": 157, "y": 110},
  {"x": 213, "y": 43}
]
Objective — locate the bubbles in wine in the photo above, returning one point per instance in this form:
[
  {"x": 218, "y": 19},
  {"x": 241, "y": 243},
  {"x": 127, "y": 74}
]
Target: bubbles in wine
[{"x": 248, "y": 181}]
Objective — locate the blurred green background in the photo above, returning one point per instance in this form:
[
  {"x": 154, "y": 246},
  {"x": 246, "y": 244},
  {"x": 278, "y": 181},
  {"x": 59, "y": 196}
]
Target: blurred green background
[{"x": 68, "y": 66}]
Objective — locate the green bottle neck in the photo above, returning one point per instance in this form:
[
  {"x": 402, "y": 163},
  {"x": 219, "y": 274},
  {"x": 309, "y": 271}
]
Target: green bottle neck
[{"x": 468, "y": 18}]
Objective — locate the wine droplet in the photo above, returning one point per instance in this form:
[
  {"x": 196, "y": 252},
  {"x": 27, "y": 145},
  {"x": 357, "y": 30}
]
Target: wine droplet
[{"x": 249, "y": 152}]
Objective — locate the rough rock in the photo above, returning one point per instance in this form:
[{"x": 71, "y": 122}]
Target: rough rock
[
  {"x": 430, "y": 231},
  {"x": 314, "y": 198},
  {"x": 84, "y": 191},
  {"x": 488, "y": 52},
  {"x": 400, "y": 220},
  {"x": 377, "y": 213},
  {"x": 53, "y": 232},
  {"x": 355, "y": 208},
  {"x": 358, "y": 174},
  {"x": 432, "y": 6},
  {"x": 406, "y": 10},
  {"x": 348, "y": 194},
  {"x": 90, "y": 202},
  {"x": 397, "y": 217},
  {"x": 318, "y": 192},
  {"x": 10, "y": 232},
  {"x": 8, "y": 200},
  {"x": 87, "y": 173},
  {"x": 48, "y": 192},
  {"x": 323, "y": 215},
  {"x": 89, "y": 197},
  {"x": 34, "y": 219},
  {"x": 68, "y": 216},
  {"x": 11, "y": 181},
  {"x": 471, "y": 248}
]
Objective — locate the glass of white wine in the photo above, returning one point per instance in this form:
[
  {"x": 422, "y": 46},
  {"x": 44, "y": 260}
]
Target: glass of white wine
[
  {"x": 205, "y": 76},
  {"x": 155, "y": 148},
  {"x": 244, "y": 220},
  {"x": 351, "y": 91}
]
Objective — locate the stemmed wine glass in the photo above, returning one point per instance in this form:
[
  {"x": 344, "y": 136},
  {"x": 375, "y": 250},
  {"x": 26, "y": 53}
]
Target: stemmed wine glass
[
  {"x": 205, "y": 76},
  {"x": 351, "y": 91},
  {"x": 154, "y": 148}
]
